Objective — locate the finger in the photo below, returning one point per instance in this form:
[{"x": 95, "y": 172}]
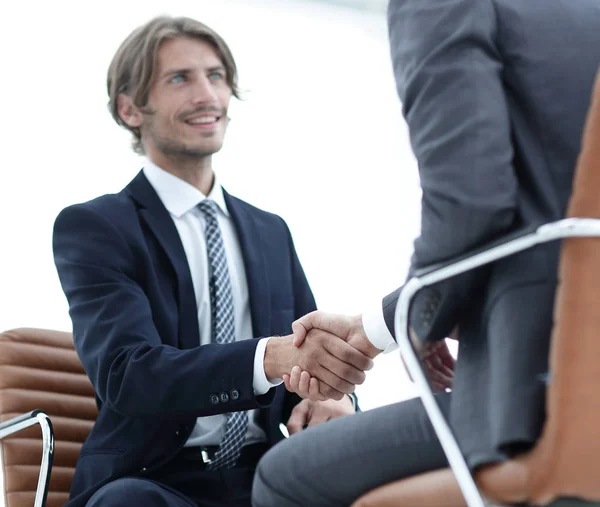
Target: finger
[
  {"x": 303, "y": 387},
  {"x": 438, "y": 388},
  {"x": 295, "y": 378},
  {"x": 438, "y": 365},
  {"x": 329, "y": 393},
  {"x": 347, "y": 373},
  {"x": 317, "y": 417},
  {"x": 299, "y": 417},
  {"x": 447, "y": 357},
  {"x": 303, "y": 325},
  {"x": 347, "y": 353},
  {"x": 436, "y": 374},
  {"x": 339, "y": 325},
  {"x": 314, "y": 390},
  {"x": 299, "y": 328},
  {"x": 332, "y": 379},
  {"x": 286, "y": 381}
]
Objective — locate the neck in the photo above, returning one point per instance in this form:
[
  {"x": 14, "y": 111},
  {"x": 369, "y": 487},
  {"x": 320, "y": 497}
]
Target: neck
[{"x": 195, "y": 171}]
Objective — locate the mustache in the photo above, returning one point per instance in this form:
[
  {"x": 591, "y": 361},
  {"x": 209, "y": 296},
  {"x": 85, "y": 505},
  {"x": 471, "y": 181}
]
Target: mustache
[{"x": 219, "y": 111}]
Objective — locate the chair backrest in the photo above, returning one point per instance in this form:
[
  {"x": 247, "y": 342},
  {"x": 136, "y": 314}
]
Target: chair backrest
[
  {"x": 566, "y": 459},
  {"x": 39, "y": 369}
]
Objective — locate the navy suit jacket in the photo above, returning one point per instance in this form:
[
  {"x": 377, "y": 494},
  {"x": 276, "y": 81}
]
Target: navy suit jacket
[{"x": 123, "y": 269}]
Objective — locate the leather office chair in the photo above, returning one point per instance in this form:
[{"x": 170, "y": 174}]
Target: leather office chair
[
  {"x": 40, "y": 369},
  {"x": 565, "y": 463}
]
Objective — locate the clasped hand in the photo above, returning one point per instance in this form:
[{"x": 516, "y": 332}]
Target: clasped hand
[
  {"x": 342, "y": 337},
  {"x": 350, "y": 355}
]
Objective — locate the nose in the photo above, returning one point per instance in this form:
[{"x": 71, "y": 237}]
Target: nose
[{"x": 203, "y": 91}]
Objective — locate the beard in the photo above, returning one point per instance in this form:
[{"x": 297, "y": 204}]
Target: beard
[
  {"x": 172, "y": 147},
  {"x": 166, "y": 141}
]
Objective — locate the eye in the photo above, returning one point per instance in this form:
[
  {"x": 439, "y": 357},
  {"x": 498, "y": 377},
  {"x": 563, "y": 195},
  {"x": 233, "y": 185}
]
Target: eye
[
  {"x": 177, "y": 78},
  {"x": 216, "y": 76}
]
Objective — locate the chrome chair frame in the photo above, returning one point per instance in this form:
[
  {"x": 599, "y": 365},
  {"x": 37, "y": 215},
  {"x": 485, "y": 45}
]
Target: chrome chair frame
[
  {"x": 567, "y": 228},
  {"x": 25, "y": 421}
]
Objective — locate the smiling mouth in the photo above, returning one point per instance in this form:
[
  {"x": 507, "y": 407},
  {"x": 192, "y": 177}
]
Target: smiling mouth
[{"x": 203, "y": 120}]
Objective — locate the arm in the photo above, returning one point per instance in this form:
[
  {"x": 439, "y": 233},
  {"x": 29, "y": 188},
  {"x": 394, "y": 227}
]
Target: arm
[
  {"x": 448, "y": 73},
  {"x": 132, "y": 370}
]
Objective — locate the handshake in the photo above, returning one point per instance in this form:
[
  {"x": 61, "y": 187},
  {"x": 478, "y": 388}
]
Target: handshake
[{"x": 325, "y": 357}]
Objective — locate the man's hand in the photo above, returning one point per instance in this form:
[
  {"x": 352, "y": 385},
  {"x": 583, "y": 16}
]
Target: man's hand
[
  {"x": 346, "y": 328},
  {"x": 438, "y": 364},
  {"x": 309, "y": 413},
  {"x": 338, "y": 365},
  {"x": 349, "y": 329}
]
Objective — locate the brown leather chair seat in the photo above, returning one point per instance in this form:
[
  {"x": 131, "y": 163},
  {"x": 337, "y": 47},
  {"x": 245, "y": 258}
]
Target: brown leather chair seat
[{"x": 39, "y": 369}]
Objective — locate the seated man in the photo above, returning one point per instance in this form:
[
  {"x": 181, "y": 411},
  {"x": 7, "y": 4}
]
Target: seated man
[
  {"x": 168, "y": 282},
  {"x": 495, "y": 94}
]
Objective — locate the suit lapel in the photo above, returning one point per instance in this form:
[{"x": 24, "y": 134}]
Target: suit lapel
[
  {"x": 250, "y": 233},
  {"x": 158, "y": 220}
]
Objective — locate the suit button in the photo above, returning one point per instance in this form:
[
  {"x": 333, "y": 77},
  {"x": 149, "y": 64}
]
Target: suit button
[
  {"x": 176, "y": 433},
  {"x": 234, "y": 394},
  {"x": 224, "y": 397},
  {"x": 214, "y": 399}
]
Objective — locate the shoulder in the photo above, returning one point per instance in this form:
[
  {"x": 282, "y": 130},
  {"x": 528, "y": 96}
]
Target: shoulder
[
  {"x": 108, "y": 209},
  {"x": 258, "y": 214}
]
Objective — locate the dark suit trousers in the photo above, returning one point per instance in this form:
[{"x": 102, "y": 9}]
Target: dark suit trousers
[
  {"x": 334, "y": 463},
  {"x": 184, "y": 482}
]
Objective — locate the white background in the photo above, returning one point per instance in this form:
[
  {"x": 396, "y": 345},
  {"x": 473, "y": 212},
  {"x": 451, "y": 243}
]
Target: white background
[{"x": 319, "y": 139}]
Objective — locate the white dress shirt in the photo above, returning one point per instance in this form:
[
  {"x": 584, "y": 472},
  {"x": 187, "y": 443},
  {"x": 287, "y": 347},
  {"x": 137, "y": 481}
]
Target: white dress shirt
[
  {"x": 181, "y": 201},
  {"x": 376, "y": 329}
]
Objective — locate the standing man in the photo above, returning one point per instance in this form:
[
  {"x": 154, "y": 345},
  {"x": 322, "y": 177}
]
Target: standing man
[
  {"x": 495, "y": 94},
  {"x": 169, "y": 280}
]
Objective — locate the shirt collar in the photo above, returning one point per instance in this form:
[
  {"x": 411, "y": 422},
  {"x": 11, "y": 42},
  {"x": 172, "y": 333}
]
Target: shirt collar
[{"x": 177, "y": 195}]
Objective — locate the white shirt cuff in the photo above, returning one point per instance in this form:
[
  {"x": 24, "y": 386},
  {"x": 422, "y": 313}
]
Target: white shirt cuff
[
  {"x": 260, "y": 382},
  {"x": 377, "y": 331}
]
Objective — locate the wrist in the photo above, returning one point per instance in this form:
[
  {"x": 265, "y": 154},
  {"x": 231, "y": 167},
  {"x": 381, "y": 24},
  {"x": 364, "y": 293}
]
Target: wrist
[
  {"x": 362, "y": 342},
  {"x": 277, "y": 353}
]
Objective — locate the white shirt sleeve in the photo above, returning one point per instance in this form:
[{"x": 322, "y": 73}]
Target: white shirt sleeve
[
  {"x": 260, "y": 382},
  {"x": 377, "y": 331}
]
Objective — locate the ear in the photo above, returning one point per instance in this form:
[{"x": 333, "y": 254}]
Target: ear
[{"x": 128, "y": 112}]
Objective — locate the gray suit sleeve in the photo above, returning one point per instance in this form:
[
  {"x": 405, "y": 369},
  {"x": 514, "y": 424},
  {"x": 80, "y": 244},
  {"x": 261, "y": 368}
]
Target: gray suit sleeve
[
  {"x": 448, "y": 72},
  {"x": 448, "y": 75}
]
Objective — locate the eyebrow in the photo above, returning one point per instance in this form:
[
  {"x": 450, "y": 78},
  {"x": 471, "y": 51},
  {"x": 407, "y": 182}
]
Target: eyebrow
[{"x": 172, "y": 72}]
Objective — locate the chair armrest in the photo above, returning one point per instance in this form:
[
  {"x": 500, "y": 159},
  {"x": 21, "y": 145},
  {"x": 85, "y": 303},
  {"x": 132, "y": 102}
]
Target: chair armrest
[
  {"x": 504, "y": 247},
  {"x": 21, "y": 422}
]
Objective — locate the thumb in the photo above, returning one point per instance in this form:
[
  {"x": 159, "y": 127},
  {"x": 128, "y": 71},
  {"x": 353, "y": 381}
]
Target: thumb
[
  {"x": 300, "y": 328},
  {"x": 299, "y": 417},
  {"x": 303, "y": 325}
]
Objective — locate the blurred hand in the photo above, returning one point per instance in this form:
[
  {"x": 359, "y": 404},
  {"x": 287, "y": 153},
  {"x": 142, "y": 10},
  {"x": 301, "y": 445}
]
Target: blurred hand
[
  {"x": 437, "y": 362},
  {"x": 337, "y": 365},
  {"x": 309, "y": 413}
]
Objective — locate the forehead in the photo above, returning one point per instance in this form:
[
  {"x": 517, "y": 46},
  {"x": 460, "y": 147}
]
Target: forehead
[{"x": 187, "y": 52}]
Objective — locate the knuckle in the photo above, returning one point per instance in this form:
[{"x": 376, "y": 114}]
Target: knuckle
[{"x": 348, "y": 372}]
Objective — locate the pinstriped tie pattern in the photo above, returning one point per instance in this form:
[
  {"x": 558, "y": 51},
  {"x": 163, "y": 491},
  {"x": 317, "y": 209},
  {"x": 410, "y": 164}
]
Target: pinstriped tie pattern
[{"x": 221, "y": 303}]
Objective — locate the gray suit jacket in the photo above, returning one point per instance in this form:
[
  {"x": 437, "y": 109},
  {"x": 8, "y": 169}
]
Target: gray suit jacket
[{"x": 495, "y": 94}]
